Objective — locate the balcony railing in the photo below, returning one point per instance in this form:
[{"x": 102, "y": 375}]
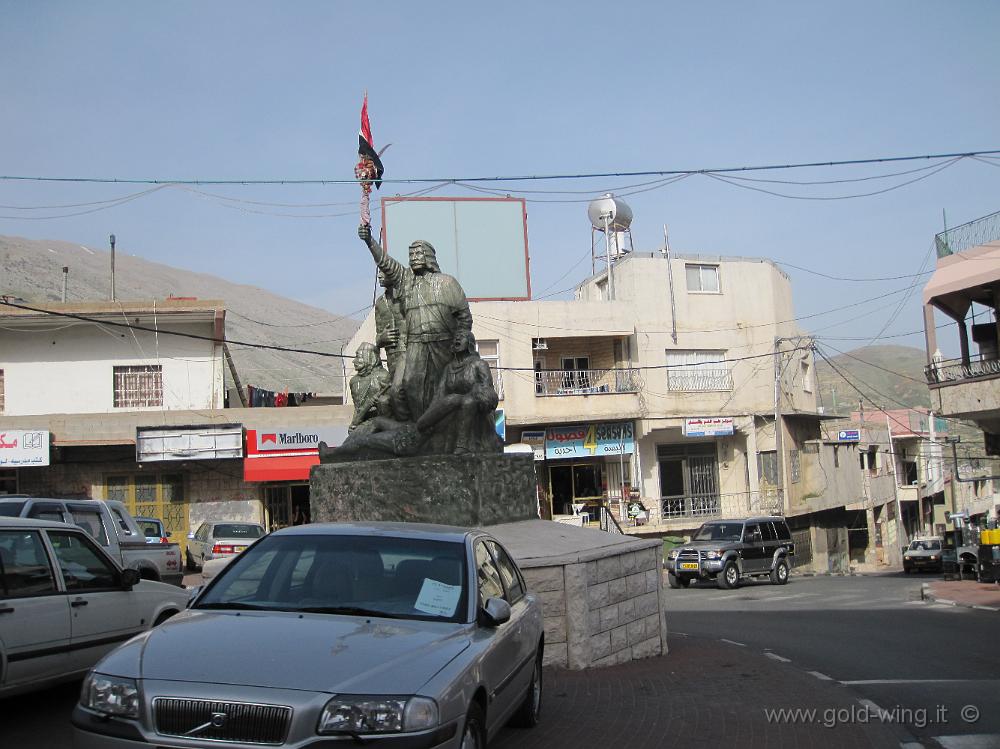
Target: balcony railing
[
  {"x": 699, "y": 379},
  {"x": 974, "y": 233},
  {"x": 956, "y": 370},
  {"x": 706, "y": 506},
  {"x": 585, "y": 381}
]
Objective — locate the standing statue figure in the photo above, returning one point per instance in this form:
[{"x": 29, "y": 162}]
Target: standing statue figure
[
  {"x": 465, "y": 401},
  {"x": 435, "y": 309},
  {"x": 369, "y": 387},
  {"x": 390, "y": 336}
]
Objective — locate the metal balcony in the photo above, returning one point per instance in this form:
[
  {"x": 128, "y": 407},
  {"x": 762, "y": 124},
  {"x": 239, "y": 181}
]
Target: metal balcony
[
  {"x": 585, "y": 381},
  {"x": 699, "y": 380},
  {"x": 957, "y": 370}
]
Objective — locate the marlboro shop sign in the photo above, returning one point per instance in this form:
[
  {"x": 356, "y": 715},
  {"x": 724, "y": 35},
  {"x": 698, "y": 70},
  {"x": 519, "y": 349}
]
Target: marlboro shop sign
[{"x": 287, "y": 454}]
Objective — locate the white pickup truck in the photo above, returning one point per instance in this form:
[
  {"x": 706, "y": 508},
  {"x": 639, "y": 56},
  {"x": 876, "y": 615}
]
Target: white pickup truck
[{"x": 109, "y": 523}]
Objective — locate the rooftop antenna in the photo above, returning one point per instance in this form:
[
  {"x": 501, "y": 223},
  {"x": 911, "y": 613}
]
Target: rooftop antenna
[{"x": 612, "y": 217}]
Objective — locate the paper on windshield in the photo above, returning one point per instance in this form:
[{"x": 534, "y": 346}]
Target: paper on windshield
[{"x": 437, "y": 598}]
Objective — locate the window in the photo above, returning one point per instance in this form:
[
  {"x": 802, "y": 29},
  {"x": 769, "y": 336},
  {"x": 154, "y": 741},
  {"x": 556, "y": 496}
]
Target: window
[
  {"x": 767, "y": 529},
  {"x": 83, "y": 566},
  {"x": 489, "y": 352},
  {"x": 783, "y": 533},
  {"x": 138, "y": 387},
  {"x": 702, "y": 278},
  {"x": 767, "y": 467},
  {"x": 90, "y": 520},
  {"x": 807, "y": 383},
  {"x": 8, "y": 481},
  {"x": 576, "y": 372},
  {"x": 511, "y": 580},
  {"x": 488, "y": 575},
  {"x": 691, "y": 370},
  {"x": 24, "y": 566},
  {"x": 793, "y": 465},
  {"x": 751, "y": 533}
]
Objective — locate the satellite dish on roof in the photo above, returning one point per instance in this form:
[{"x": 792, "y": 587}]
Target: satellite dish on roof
[{"x": 610, "y": 212}]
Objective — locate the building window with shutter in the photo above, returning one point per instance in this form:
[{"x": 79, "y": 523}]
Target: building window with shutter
[
  {"x": 138, "y": 386},
  {"x": 702, "y": 279},
  {"x": 698, "y": 371},
  {"x": 489, "y": 352}
]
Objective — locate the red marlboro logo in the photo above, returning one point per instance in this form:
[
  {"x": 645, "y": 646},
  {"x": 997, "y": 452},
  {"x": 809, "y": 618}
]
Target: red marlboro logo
[{"x": 272, "y": 438}]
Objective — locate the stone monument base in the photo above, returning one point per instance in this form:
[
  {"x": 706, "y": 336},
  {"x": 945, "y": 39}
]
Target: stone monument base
[
  {"x": 601, "y": 593},
  {"x": 463, "y": 490}
]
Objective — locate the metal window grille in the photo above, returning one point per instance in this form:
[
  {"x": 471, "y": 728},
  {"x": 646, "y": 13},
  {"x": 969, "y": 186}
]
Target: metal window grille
[
  {"x": 138, "y": 386},
  {"x": 793, "y": 464},
  {"x": 690, "y": 370}
]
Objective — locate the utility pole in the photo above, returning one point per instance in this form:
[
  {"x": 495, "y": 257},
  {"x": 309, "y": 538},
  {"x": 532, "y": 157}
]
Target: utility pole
[
  {"x": 779, "y": 449},
  {"x": 65, "y": 278},
  {"x": 112, "y": 267}
]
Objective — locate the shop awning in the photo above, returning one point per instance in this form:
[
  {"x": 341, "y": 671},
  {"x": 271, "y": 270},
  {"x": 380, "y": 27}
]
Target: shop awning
[{"x": 279, "y": 468}]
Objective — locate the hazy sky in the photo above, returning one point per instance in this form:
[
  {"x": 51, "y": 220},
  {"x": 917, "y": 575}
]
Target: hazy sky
[{"x": 253, "y": 90}]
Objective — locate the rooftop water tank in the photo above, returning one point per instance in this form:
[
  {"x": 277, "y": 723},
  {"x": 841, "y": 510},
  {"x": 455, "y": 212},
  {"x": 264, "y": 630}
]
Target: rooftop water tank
[{"x": 615, "y": 210}]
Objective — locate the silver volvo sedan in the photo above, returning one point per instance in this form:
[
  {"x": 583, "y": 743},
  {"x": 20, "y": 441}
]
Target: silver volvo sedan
[{"x": 395, "y": 635}]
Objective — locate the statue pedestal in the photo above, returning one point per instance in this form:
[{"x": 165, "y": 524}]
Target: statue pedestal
[{"x": 463, "y": 490}]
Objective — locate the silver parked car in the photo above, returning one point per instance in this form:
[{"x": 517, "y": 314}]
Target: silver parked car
[
  {"x": 220, "y": 539},
  {"x": 64, "y": 603},
  {"x": 403, "y": 634}
]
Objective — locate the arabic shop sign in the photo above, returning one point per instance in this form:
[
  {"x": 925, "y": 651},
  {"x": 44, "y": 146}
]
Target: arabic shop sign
[
  {"x": 22, "y": 449},
  {"x": 709, "y": 426},
  {"x": 590, "y": 440}
]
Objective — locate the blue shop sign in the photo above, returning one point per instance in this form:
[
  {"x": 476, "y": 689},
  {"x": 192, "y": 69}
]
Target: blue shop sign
[
  {"x": 849, "y": 435},
  {"x": 590, "y": 440}
]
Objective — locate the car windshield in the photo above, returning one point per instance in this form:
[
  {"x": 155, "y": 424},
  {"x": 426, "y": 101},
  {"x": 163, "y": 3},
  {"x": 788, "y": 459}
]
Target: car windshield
[
  {"x": 237, "y": 530},
  {"x": 719, "y": 532},
  {"x": 393, "y": 577},
  {"x": 925, "y": 546}
]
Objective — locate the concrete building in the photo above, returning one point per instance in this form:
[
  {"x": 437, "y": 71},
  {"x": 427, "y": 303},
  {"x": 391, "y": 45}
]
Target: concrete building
[
  {"x": 965, "y": 288},
  {"x": 127, "y": 401},
  {"x": 664, "y": 398}
]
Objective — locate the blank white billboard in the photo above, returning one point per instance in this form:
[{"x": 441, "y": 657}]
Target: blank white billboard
[{"x": 483, "y": 242}]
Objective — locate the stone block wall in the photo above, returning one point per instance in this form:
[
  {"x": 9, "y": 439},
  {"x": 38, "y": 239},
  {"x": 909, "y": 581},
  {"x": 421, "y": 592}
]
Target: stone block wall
[{"x": 603, "y": 611}]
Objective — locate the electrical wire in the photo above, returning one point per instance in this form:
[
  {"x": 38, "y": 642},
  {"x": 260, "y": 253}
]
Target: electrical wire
[{"x": 520, "y": 178}]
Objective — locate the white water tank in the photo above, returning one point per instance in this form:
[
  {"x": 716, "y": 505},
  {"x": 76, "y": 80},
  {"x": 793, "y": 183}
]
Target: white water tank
[{"x": 614, "y": 210}]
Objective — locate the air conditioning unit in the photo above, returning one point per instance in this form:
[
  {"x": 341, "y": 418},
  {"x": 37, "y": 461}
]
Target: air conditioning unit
[{"x": 539, "y": 344}]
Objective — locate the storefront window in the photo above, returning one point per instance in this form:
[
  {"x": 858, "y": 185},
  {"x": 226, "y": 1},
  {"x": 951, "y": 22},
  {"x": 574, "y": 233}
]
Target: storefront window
[{"x": 154, "y": 495}]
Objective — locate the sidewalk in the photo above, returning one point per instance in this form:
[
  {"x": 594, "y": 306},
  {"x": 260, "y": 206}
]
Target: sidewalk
[
  {"x": 968, "y": 593},
  {"x": 705, "y": 693}
]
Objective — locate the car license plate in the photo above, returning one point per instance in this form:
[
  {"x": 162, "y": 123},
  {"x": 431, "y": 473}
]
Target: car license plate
[
  {"x": 238, "y": 549},
  {"x": 689, "y": 565}
]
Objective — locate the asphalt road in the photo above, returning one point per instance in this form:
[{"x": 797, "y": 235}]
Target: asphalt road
[{"x": 932, "y": 668}]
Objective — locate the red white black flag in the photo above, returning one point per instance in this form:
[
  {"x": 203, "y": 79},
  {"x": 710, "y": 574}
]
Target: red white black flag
[{"x": 366, "y": 147}]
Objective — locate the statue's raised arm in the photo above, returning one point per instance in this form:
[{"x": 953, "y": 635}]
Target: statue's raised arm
[{"x": 392, "y": 268}]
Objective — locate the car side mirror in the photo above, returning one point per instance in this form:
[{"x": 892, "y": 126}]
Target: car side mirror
[
  {"x": 169, "y": 534},
  {"x": 130, "y": 578},
  {"x": 495, "y": 612}
]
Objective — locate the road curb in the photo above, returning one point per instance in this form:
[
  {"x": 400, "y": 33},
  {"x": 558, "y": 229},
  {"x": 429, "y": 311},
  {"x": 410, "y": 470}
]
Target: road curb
[{"x": 926, "y": 595}]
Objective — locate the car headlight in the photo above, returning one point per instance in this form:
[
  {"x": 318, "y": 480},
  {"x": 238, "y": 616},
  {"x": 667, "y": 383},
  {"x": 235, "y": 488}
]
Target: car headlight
[
  {"x": 367, "y": 714},
  {"x": 933, "y": 557},
  {"x": 110, "y": 695},
  {"x": 713, "y": 554},
  {"x": 672, "y": 554}
]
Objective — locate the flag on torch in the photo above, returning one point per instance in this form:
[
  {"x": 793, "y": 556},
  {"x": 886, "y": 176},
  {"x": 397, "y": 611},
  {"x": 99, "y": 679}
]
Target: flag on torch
[{"x": 368, "y": 170}]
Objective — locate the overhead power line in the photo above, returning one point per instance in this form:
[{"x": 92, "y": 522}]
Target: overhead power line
[{"x": 500, "y": 178}]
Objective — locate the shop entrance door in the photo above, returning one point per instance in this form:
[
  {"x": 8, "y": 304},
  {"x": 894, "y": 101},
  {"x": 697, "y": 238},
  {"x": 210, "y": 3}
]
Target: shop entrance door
[{"x": 286, "y": 505}]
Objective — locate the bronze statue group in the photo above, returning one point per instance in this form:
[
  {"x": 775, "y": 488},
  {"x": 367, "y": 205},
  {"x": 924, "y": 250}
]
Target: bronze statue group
[{"x": 437, "y": 395}]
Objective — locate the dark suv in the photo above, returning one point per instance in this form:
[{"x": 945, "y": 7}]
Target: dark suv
[{"x": 729, "y": 550}]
